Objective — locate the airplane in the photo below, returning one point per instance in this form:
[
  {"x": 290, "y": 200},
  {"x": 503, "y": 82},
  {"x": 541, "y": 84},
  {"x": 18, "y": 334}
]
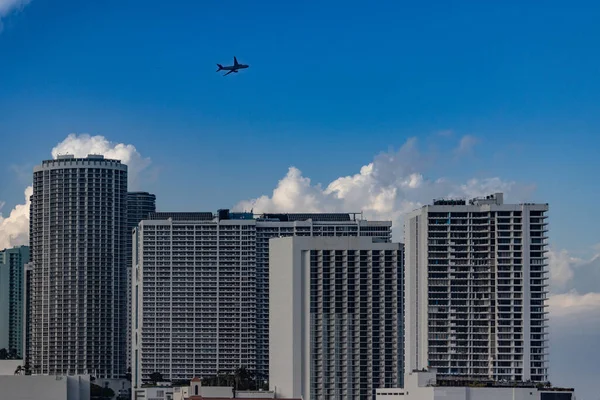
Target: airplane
[{"x": 233, "y": 68}]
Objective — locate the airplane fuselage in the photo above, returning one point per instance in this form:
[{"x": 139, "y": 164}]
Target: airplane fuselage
[{"x": 232, "y": 68}]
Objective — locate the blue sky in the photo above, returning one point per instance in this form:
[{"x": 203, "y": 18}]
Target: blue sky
[{"x": 330, "y": 86}]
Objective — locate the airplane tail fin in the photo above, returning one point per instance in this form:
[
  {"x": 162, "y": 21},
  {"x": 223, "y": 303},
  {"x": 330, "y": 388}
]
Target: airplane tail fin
[{"x": 220, "y": 67}]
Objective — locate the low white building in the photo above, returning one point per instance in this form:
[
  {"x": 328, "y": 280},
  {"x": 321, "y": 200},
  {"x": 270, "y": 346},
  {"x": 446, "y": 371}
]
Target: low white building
[
  {"x": 8, "y": 367},
  {"x": 196, "y": 391},
  {"x": 153, "y": 393},
  {"x": 46, "y": 387},
  {"x": 423, "y": 385},
  {"x": 254, "y": 394}
]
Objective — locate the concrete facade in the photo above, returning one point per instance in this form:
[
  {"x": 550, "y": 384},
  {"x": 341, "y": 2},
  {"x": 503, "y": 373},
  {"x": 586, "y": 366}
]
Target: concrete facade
[
  {"x": 4, "y": 304},
  {"x": 154, "y": 393},
  {"x": 139, "y": 207},
  {"x": 272, "y": 225},
  {"x": 197, "y": 281},
  {"x": 21, "y": 387},
  {"x": 8, "y": 367},
  {"x": 12, "y": 266},
  {"x": 336, "y": 317},
  {"x": 476, "y": 289},
  {"x": 78, "y": 247},
  {"x": 198, "y": 392},
  {"x": 423, "y": 385}
]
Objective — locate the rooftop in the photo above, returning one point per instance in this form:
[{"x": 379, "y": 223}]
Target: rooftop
[
  {"x": 182, "y": 216},
  {"x": 461, "y": 381},
  {"x": 225, "y": 214},
  {"x": 328, "y": 217},
  {"x": 72, "y": 158}
]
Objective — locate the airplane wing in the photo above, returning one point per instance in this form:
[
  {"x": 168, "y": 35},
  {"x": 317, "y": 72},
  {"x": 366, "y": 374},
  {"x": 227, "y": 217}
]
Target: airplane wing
[
  {"x": 230, "y": 71},
  {"x": 235, "y": 61}
]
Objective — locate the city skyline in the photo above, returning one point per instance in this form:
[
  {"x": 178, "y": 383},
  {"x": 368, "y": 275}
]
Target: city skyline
[
  {"x": 565, "y": 307},
  {"x": 347, "y": 107}
]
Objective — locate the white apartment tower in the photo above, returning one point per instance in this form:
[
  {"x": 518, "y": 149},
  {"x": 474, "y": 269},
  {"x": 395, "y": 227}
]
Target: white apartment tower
[
  {"x": 78, "y": 245},
  {"x": 476, "y": 289},
  {"x": 336, "y": 317},
  {"x": 199, "y": 287}
]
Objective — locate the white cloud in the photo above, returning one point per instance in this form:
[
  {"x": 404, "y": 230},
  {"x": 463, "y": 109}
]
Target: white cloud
[
  {"x": 561, "y": 267},
  {"x": 14, "y": 229},
  {"x": 8, "y": 6},
  {"x": 466, "y": 145},
  {"x": 573, "y": 304},
  {"x": 84, "y": 144},
  {"x": 568, "y": 272},
  {"x": 390, "y": 186}
]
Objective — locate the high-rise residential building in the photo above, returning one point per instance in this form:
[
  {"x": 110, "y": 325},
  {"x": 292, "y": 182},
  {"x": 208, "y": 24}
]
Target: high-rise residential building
[
  {"x": 78, "y": 245},
  {"x": 476, "y": 288},
  {"x": 299, "y": 224},
  {"x": 27, "y": 274},
  {"x": 336, "y": 317},
  {"x": 139, "y": 207},
  {"x": 12, "y": 266},
  {"x": 197, "y": 281}
]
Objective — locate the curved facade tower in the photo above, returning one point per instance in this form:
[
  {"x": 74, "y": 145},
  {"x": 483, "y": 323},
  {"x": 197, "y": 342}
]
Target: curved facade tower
[{"x": 78, "y": 249}]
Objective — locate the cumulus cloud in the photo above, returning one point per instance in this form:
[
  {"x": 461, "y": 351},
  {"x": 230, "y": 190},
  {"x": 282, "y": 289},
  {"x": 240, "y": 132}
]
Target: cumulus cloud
[
  {"x": 562, "y": 265},
  {"x": 390, "y": 186},
  {"x": 573, "y": 304},
  {"x": 84, "y": 144},
  {"x": 14, "y": 229},
  {"x": 568, "y": 272}
]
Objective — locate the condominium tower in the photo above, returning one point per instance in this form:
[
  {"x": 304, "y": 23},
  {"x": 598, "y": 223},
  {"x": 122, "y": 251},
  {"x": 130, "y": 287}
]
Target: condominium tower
[
  {"x": 78, "y": 246},
  {"x": 476, "y": 289},
  {"x": 199, "y": 284},
  {"x": 336, "y": 317},
  {"x": 12, "y": 266},
  {"x": 139, "y": 207}
]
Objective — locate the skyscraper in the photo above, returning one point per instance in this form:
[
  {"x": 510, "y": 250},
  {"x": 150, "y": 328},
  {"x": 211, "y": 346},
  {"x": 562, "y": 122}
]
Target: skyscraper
[
  {"x": 476, "y": 288},
  {"x": 78, "y": 244},
  {"x": 139, "y": 207},
  {"x": 299, "y": 224},
  {"x": 336, "y": 317},
  {"x": 196, "y": 286},
  {"x": 12, "y": 266}
]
